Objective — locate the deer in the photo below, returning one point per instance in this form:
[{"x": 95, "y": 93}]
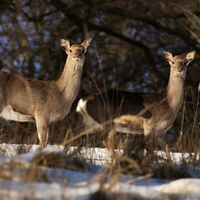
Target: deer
[
  {"x": 43, "y": 102},
  {"x": 150, "y": 114}
]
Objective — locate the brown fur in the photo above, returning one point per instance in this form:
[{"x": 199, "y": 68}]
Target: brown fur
[
  {"x": 43, "y": 102},
  {"x": 151, "y": 114}
]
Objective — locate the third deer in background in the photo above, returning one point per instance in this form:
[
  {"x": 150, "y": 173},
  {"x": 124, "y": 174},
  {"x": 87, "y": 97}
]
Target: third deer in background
[{"x": 151, "y": 114}]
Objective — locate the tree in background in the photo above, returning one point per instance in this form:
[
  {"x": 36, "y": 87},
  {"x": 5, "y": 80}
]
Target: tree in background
[{"x": 128, "y": 40}]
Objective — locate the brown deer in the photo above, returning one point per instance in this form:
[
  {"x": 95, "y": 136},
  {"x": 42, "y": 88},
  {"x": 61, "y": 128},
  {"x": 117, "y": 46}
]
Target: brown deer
[
  {"x": 151, "y": 114},
  {"x": 43, "y": 102}
]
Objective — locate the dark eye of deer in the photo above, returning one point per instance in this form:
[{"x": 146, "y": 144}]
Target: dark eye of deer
[
  {"x": 70, "y": 50},
  {"x": 172, "y": 62}
]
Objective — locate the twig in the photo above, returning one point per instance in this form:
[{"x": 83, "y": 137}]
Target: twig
[{"x": 196, "y": 111}]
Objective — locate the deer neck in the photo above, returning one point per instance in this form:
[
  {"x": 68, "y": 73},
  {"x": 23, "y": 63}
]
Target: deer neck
[
  {"x": 70, "y": 79},
  {"x": 175, "y": 91}
]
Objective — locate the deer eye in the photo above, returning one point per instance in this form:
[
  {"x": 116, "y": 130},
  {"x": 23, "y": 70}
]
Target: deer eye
[
  {"x": 172, "y": 62},
  {"x": 70, "y": 50}
]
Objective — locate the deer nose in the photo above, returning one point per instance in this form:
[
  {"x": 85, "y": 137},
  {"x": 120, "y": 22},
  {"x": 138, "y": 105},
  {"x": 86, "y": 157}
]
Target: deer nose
[
  {"x": 180, "y": 69},
  {"x": 77, "y": 55}
]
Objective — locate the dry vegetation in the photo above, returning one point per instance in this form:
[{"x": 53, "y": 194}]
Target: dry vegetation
[{"x": 133, "y": 161}]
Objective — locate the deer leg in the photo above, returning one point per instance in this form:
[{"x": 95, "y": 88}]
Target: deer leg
[
  {"x": 109, "y": 131},
  {"x": 149, "y": 133},
  {"x": 157, "y": 138},
  {"x": 43, "y": 132},
  {"x": 150, "y": 139},
  {"x": 51, "y": 134},
  {"x": 162, "y": 142},
  {"x": 69, "y": 134}
]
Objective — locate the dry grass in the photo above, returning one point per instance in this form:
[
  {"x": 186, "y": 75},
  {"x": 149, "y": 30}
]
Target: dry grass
[{"x": 133, "y": 162}]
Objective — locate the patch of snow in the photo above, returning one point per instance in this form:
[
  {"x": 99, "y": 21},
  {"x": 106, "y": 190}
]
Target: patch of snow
[{"x": 70, "y": 184}]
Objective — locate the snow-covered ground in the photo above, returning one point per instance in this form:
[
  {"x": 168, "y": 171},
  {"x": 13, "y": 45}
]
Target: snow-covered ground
[{"x": 21, "y": 178}]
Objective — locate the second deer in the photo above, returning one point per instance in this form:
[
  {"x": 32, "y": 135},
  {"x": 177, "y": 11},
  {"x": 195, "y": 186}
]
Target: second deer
[
  {"x": 151, "y": 114},
  {"x": 43, "y": 102}
]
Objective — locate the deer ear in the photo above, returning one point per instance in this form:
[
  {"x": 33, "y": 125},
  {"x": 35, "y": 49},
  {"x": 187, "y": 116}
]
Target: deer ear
[
  {"x": 65, "y": 44},
  {"x": 167, "y": 55},
  {"x": 190, "y": 56},
  {"x": 86, "y": 43}
]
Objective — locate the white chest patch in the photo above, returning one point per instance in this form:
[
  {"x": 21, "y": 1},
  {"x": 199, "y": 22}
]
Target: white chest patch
[
  {"x": 81, "y": 107},
  {"x": 164, "y": 126},
  {"x": 9, "y": 114}
]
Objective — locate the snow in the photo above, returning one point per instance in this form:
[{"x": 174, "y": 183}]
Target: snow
[{"x": 63, "y": 183}]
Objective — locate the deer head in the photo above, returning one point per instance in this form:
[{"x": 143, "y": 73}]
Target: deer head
[
  {"x": 179, "y": 63},
  {"x": 75, "y": 52}
]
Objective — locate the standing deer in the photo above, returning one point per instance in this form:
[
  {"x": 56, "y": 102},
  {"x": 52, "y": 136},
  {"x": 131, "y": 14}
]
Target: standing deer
[
  {"x": 43, "y": 102},
  {"x": 151, "y": 114}
]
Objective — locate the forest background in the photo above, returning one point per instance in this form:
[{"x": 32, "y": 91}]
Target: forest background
[{"x": 126, "y": 51}]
